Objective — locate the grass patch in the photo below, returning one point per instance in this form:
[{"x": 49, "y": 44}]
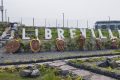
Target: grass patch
[{"x": 46, "y": 73}]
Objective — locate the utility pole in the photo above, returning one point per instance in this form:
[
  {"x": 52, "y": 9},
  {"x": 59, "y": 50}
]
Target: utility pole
[
  {"x": 63, "y": 20},
  {"x": 109, "y": 22},
  {"x": 2, "y": 10}
]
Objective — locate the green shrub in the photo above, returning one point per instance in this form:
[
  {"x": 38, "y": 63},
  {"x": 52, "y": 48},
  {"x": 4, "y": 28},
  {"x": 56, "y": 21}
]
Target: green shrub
[
  {"x": 25, "y": 46},
  {"x": 72, "y": 45},
  {"x": 50, "y": 76},
  {"x": 46, "y": 46}
]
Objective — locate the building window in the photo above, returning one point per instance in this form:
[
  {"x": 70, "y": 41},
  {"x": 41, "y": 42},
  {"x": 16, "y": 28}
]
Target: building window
[
  {"x": 112, "y": 27},
  {"x": 118, "y": 26},
  {"x": 104, "y": 27},
  {"x": 96, "y": 26}
]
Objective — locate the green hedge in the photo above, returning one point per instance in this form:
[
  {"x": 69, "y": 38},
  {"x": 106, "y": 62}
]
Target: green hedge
[{"x": 70, "y": 45}]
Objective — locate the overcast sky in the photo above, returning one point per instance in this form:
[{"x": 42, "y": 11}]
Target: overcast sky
[{"x": 81, "y": 10}]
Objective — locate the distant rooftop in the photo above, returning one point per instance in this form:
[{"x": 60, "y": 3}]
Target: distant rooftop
[
  {"x": 99, "y": 22},
  {"x": 107, "y": 24}
]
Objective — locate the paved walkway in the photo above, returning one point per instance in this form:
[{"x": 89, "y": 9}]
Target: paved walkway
[
  {"x": 87, "y": 75},
  {"x": 22, "y": 57},
  {"x": 61, "y": 64}
]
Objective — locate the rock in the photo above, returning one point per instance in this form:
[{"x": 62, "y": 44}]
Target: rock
[
  {"x": 113, "y": 64},
  {"x": 35, "y": 73},
  {"x": 108, "y": 63},
  {"x": 103, "y": 64},
  {"x": 30, "y": 72},
  {"x": 25, "y": 73},
  {"x": 64, "y": 72}
]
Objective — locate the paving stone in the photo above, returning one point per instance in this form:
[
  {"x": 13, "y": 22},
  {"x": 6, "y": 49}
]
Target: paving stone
[
  {"x": 100, "y": 77},
  {"x": 67, "y": 67},
  {"x": 44, "y": 63},
  {"x": 57, "y": 64},
  {"x": 58, "y": 61},
  {"x": 81, "y": 72}
]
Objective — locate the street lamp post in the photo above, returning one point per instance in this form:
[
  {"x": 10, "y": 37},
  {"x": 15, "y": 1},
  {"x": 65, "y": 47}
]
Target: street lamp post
[
  {"x": 63, "y": 20},
  {"x": 6, "y": 15},
  {"x": 21, "y": 21},
  {"x": 109, "y": 22},
  {"x": 2, "y": 10},
  {"x": 45, "y": 22},
  {"x": 56, "y": 23},
  {"x": 33, "y": 22}
]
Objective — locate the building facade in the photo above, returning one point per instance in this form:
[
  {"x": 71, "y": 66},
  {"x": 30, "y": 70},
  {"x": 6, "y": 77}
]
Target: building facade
[{"x": 107, "y": 24}]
